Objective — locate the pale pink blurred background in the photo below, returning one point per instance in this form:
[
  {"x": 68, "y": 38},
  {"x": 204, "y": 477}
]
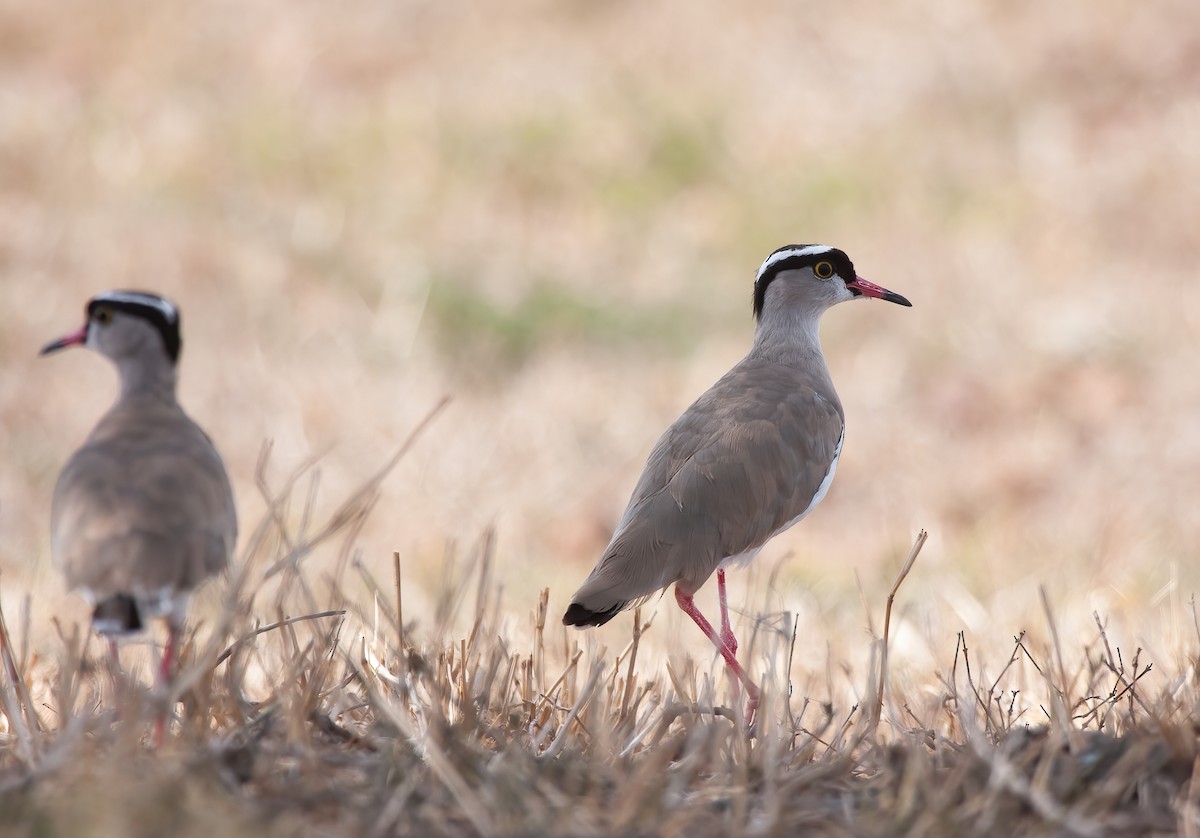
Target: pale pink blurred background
[{"x": 553, "y": 213}]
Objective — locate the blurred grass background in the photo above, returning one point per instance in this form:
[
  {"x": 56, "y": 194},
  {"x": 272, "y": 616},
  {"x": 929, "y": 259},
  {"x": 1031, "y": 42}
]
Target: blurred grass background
[{"x": 553, "y": 213}]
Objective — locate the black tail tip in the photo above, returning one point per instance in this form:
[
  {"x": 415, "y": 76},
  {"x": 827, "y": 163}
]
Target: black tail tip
[
  {"x": 579, "y": 616},
  {"x": 117, "y": 615}
]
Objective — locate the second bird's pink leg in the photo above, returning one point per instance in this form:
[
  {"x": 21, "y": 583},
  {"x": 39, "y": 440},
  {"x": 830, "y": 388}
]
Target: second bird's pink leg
[
  {"x": 164, "y": 679},
  {"x": 728, "y": 651}
]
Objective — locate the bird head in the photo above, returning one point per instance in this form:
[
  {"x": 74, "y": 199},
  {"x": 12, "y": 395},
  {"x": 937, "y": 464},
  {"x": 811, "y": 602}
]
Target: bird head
[
  {"x": 812, "y": 277},
  {"x": 124, "y": 325}
]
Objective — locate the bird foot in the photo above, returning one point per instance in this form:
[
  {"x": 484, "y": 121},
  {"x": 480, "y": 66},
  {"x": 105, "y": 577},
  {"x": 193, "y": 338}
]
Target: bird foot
[{"x": 751, "y": 709}]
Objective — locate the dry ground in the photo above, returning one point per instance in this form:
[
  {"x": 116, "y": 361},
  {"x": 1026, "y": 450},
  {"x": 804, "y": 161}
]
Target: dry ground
[{"x": 551, "y": 213}]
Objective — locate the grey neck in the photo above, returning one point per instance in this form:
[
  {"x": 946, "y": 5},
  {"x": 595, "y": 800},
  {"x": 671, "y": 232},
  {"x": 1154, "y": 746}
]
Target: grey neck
[
  {"x": 789, "y": 337},
  {"x": 141, "y": 376}
]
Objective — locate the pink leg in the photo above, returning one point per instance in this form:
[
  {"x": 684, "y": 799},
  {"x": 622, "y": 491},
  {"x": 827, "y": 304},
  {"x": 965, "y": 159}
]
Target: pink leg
[
  {"x": 726, "y": 632},
  {"x": 168, "y": 658},
  {"x": 688, "y": 605},
  {"x": 164, "y": 679}
]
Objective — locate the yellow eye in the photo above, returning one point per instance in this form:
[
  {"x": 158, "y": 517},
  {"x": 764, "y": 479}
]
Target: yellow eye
[
  {"x": 823, "y": 270},
  {"x": 103, "y": 315}
]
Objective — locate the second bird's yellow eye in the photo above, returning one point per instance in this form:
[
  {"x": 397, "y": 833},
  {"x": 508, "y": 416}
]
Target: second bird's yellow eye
[
  {"x": 103, "y": 315},
  {"x": 823, "y": 270}
]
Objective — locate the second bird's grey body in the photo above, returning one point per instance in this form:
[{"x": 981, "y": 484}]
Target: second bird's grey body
[
  {"x": 143, "y": 512},
  {"x": 751, "y": 457},
  {"x": 143, "y": 509}
]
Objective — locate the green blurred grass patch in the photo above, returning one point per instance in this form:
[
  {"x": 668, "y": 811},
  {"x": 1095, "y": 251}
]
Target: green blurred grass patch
[{"x": 471, "y": 329}]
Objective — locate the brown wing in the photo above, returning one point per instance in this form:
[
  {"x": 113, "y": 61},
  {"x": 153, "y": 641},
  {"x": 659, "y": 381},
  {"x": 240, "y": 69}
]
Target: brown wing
[
  {"x": 144, "y": 505},
  {"x": 740, "y": 464}
]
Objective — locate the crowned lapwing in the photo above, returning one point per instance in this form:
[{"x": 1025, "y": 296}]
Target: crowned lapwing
[
  {"x": 750, "y": 458},
  {"x": 143, "y": 513}
]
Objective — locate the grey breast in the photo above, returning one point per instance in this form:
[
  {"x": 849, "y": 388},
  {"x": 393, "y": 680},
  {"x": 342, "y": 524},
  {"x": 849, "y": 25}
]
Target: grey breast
[
  {"x": 741, "y": 464},
  {"x": 144, "y": 507}
]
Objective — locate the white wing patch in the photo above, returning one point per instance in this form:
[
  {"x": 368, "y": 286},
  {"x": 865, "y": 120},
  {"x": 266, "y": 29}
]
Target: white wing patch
[
  {"x": 822, "y": 490},
  {"x": 743, "y": 559}
]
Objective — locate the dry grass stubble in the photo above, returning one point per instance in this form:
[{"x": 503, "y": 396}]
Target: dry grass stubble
[{"x": 334, "y": 718}]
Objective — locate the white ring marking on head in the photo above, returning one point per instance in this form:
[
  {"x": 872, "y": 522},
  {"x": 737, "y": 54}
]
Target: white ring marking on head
[
  {"x": 779, "y": 255},
  {"x": 161, "y": 303}
]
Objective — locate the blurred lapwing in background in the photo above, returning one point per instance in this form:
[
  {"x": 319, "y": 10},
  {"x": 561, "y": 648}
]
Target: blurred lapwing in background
[
  {"x": 143, "y": 513},
  {"x": 750, "y": 458}
]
